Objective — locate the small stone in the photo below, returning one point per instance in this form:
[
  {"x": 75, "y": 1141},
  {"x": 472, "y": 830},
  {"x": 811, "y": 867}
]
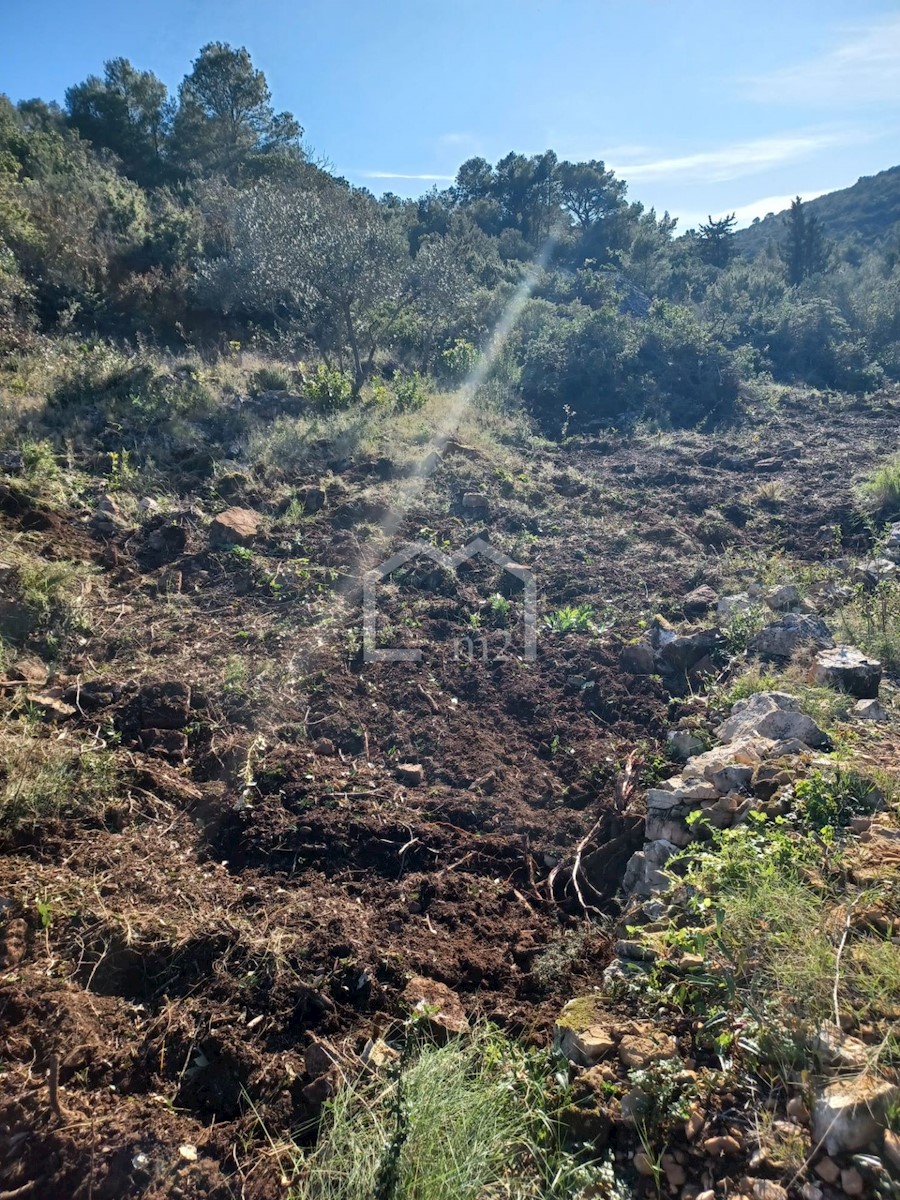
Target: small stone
[
  {"x": 765, "y": 1189},
  {"x": 783, "y": 598},
  {"x": 644, "y": 875},
  {"x": 441, "y": 1005},
  {"x": 682, "y": 653},
  {"x": 148, "y": 505},
  {"x": 870, "y": 710},
  {"x": 693, "y": 1126},
  {"x": 638, "y": 659},
  {"x": 828, "y": 1170},
  {"x": 871, "y": 573},
  {"x": 689, "y": 962},
  {"x": 676, "y": 1176},
  {"x": 378, "y": 1053},
  {"x": 773, "y": 715},
  {"x": 809, "y": 1191},
  {"x": 475, "y": 501},
  {"x": 797, "y": 1110},
  {"x": 28, "y": 669},
  {"x": 322, "y": 1088},
  {"x": 682, "y": 743},
  {"x": 707, "y": 1195},
  {"x": 721, "y": 1146},
  {"x": 660, "y": 828},
  {"x": 674, "y": 792},
  {"x": 634, "y": 1106},
  {"x": 644, "y": 1165},
  {"x": 589, "y": 1046},
  {"x": 839, "y": 1049},
  {"x": 730, "y": 606},
  {"x": 827, "y": 596},
  {"x": 747, "y": 751},
  {"x": 188, "y": 1152},
  {"x": 850, "y": 1113},
  {"x": 848, "y": 670},
  {"x": 234, "y": 526},
  {"x": 319, "y": 1057},
  {"x": 788, "y": 746},
  {"x": 699, "y": 601},
  {"x": 852, "y": 1182},
  {"x": 731, "y": 777},
  {"x": 769, "y": 778},
  {"x": 637, "y": 951},
  {"x": 412, "y": 774},
  {"x": 106, "y": 504},
  {"x": 51, "y": 705},
  {"x": 638, "y": 1051}
]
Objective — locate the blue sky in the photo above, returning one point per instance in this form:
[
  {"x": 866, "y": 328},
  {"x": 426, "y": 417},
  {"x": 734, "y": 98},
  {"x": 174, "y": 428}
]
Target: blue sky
[{"x": 702, "y": 107}]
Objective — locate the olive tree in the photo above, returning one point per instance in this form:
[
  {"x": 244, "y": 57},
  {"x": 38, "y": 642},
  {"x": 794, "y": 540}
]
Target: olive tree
[{"x": 337, "y": 264}]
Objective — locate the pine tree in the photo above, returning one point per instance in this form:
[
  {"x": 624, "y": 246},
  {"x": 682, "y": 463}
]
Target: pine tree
[{"x": 716, "y": 241}]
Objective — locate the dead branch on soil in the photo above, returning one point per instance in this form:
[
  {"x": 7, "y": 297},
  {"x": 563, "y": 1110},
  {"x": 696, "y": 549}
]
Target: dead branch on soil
[{"x": 623, "y": 794}]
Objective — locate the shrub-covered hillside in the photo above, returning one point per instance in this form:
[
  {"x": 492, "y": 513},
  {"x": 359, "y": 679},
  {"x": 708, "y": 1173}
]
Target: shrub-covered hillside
[
  {"x": 199, "y": 219},
  {"x": 865, "y": 213}
]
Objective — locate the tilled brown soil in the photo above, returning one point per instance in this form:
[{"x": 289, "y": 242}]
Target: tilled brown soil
[{"x": 264, "y": 875}]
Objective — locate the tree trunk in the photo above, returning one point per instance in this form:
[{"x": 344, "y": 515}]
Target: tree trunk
[{"x": 354, "y": 346}]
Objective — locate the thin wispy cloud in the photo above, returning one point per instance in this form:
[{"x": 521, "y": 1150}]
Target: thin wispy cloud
[
  {"x": 739, "y": 159},
  {"x": 459, "y": 140},
  {"x": 620, "y": 153},
  {"x": 862, "y": 69},
  {"x": 402, "y": 175},
  {"x": 745, "y": 213}
]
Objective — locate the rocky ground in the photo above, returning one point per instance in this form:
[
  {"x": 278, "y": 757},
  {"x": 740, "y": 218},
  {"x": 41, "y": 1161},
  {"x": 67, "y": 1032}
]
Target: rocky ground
[{"x": 228, "y": 841}]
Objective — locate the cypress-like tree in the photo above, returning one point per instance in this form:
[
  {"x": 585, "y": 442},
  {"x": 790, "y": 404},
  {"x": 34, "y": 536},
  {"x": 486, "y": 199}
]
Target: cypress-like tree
[{"x": 804, "y": 250}]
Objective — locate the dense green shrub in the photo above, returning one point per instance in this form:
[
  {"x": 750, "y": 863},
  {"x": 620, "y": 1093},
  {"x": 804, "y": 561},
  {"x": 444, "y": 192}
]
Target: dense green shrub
[
  {"x": 808, "y": 338},
  {"x": 594, "y": 366},
  {"x": 458, "y": 360},
  {"x": 410, "y": 392},
  {"x": 328, "y": 388}
]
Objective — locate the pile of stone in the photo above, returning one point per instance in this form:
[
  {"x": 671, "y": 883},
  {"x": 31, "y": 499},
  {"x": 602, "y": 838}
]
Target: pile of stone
[{"x": 749, "y": 768}]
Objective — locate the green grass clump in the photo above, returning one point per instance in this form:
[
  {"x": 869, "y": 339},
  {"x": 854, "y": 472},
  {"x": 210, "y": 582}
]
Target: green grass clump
[
  {"x": 42, "y": 779},
  {"x": 882, "y": 489},
  {"x": 270, "y": 378},
  {"x": 48, "y": 599},
  {"x": 825, "y": 705},
  {"x": 829, "y": 800},
  {"x": 872, "y": 623},
  {"x": 465, "y": 1121}
]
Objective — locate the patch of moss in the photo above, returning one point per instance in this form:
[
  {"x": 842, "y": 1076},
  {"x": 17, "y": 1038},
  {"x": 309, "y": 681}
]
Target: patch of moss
[{"x": 580, "y": 1013}]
